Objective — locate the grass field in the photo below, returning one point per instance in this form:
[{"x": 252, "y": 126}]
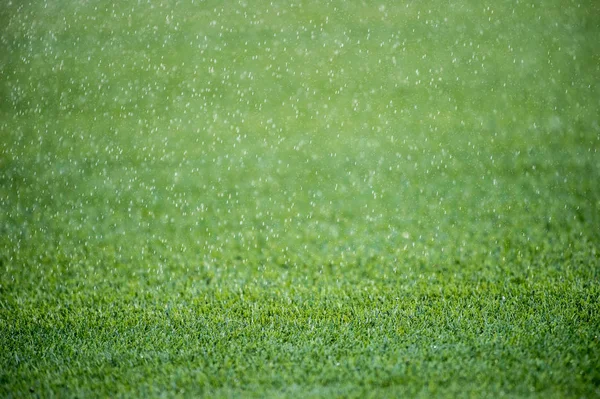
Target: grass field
[{"x": 299, "y": 199}]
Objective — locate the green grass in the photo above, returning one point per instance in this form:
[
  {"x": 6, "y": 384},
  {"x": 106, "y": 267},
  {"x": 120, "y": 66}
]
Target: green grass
[{"x": 300, "y": 199}]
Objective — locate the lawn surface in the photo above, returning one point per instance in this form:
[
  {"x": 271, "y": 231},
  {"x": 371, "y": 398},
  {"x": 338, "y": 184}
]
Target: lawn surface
[{"x": 299, "y": 199}]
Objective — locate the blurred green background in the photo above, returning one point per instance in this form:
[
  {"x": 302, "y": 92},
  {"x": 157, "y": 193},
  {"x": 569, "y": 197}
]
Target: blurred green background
[{"x": 156, "y": 153}]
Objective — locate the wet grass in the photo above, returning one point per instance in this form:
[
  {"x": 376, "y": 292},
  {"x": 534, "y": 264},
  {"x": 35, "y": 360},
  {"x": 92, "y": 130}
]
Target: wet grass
[{"x": 299, "y": 200}]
